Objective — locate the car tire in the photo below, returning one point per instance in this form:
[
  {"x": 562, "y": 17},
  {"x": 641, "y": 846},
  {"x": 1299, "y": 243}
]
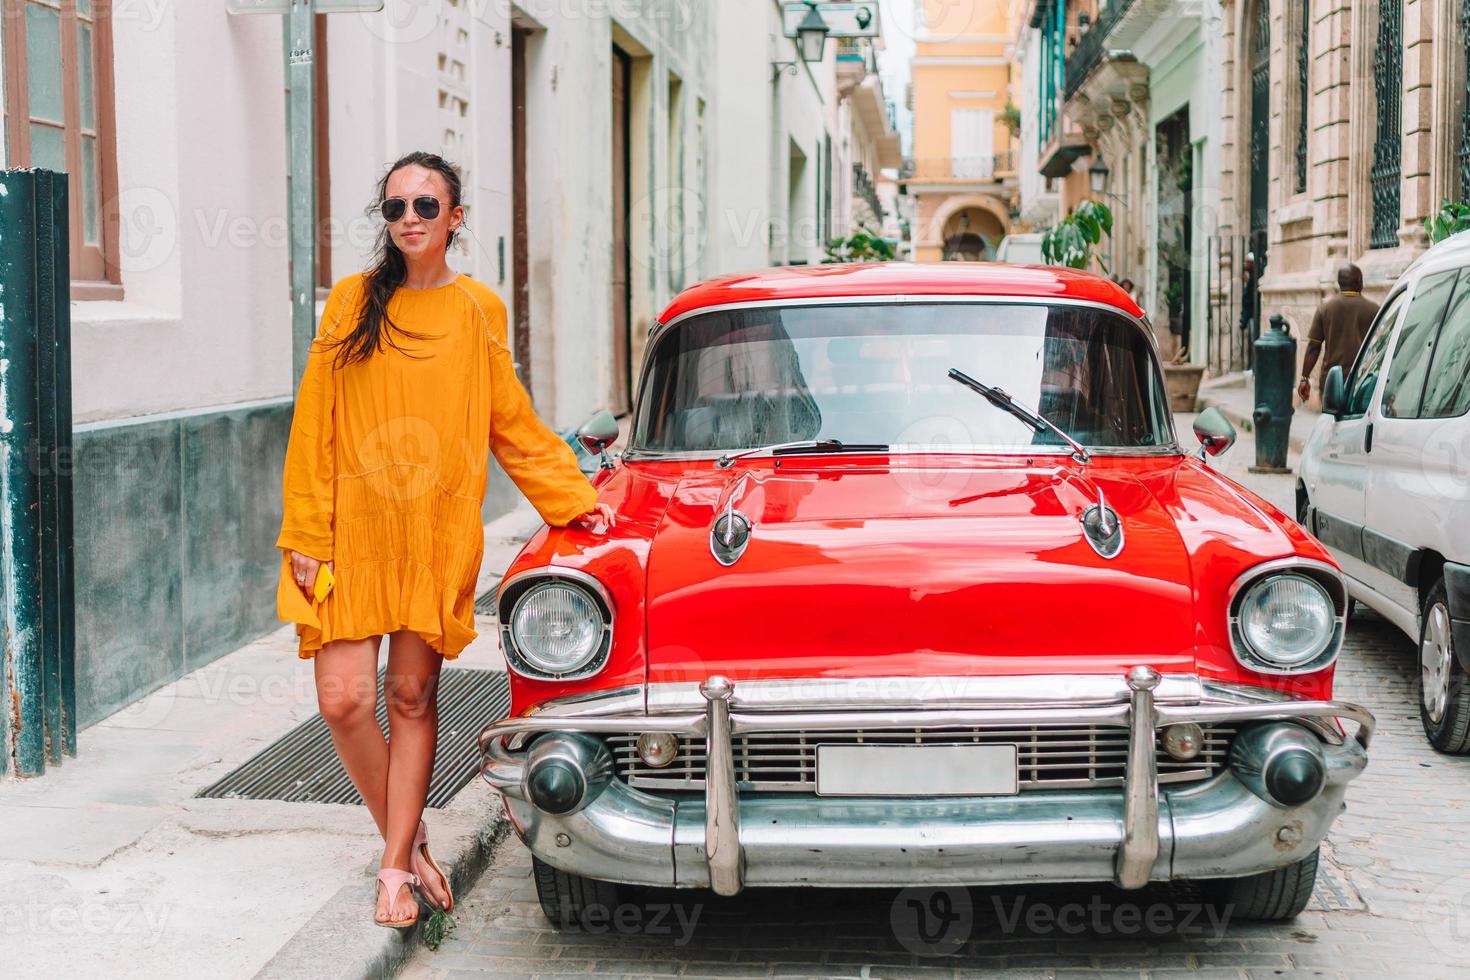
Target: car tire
[
  {"x": 571, "y": 901},
  {"x": 1444, "y": 687},
  {"x": 1271, "y": 896}
]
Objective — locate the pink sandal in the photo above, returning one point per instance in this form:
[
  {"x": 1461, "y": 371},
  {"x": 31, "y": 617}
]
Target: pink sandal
[
  {"x": 421, "y": 860},
  {"x": 394, "y": 879}
]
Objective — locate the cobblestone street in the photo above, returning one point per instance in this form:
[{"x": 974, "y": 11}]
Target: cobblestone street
[{"x": 1393, "y": 892}]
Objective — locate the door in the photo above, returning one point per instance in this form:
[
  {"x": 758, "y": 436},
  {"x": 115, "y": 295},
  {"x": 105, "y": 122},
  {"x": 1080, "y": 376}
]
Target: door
[
  {"x": 1341, "y": 483},
  {"x": 1415, "y": 488},
  {"x": 1173, "y": 214},
  {"x": 520, "y": 220},
  {"x": 622, "y": 295},
  {"x": 1260, "y": 168}
]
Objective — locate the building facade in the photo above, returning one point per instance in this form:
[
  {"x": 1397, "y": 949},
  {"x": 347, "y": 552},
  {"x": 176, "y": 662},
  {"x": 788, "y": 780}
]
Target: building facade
[
  {"x": 1316, "y": 133},
  {"x": 1346, "y": 125},
  {"x": 611, "y": 154},
  {"x": 1128, "y": 97},
  {"x": 962, "y": 175}
]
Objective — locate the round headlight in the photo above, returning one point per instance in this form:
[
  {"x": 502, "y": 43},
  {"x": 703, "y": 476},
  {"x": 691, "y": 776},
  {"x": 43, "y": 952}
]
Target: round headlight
[
  {"x": 1287, "y": 621},
  {"x": 556, "y": 627}
]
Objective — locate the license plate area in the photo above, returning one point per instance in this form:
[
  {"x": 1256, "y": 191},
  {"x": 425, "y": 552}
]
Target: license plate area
[{"x": 917, "y": 770}]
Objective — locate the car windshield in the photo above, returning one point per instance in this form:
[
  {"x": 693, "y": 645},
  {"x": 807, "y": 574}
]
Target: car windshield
[{"x": 878, "y": 373}]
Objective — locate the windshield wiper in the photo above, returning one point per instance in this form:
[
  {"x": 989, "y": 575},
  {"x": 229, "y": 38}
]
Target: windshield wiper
[
  {"x": 1001, "y": 399},
  {"x": 804, "y": 446}
]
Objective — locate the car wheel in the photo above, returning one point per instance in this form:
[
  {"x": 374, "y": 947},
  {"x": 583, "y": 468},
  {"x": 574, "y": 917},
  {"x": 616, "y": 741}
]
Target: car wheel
[
  {"x": 571, "y": 901},
  {"x": 1272, "y": 896},
  {"x": 1444, "y": 688}
]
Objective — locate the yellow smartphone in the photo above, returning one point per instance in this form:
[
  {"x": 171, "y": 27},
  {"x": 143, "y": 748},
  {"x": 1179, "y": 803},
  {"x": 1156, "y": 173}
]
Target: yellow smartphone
[{"x": 324, "y": 581}]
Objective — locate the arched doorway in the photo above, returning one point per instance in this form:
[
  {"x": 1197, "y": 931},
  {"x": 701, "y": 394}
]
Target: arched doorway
[{"x": 971, "y": 235}]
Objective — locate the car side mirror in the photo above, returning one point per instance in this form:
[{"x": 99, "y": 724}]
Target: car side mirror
[
  {"x": 1214, "y": 432},
  {"x": 597, "y": 433},
  {"x": 1334, "y": 393}
]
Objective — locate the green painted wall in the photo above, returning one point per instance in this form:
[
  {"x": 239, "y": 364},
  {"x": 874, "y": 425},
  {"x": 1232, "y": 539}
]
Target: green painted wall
[{"x": 175, "y": 519}]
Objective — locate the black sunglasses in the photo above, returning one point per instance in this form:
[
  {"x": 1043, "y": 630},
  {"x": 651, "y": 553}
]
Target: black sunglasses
[{"x": 394, "y": 208}]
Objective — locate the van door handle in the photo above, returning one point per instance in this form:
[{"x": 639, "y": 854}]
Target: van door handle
[{"x": 1368, "y": 438}]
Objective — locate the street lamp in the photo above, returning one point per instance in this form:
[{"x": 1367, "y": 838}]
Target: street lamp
[
  {"x": 811, "y": 41},
  {"x": 1097, "y": 174},
  {"x": 811, "y": 35}
]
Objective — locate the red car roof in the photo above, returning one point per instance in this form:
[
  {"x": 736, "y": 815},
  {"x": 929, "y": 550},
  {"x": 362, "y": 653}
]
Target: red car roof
[{"x": 900, "y": 279}]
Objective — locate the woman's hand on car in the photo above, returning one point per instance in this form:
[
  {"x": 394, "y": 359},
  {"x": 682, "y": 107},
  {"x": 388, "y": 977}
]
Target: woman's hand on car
[{"x": 598, "y": 520}]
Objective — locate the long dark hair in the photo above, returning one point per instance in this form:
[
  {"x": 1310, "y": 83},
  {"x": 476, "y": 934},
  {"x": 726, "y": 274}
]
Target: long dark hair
[{"x": 389, "y": 268}]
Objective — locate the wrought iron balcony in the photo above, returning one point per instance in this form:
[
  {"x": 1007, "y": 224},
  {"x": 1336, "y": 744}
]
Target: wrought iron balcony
[
  {"x": 1092, "y": 47},
  {"x": 995, "y": 167},
  {"x": 864, "y": 188}
]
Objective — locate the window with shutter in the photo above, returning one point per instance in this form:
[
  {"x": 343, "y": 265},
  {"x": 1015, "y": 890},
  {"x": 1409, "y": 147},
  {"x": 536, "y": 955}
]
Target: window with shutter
[
  {"x": 972, "y": 142},
  {"x": 58, "y": 116}
]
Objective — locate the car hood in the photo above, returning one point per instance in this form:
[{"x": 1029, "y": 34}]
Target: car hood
[{"x": 916, "y": 567}]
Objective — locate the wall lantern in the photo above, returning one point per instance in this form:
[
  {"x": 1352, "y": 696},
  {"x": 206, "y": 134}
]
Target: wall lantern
[
  {"x": 1097, "y": 174},
  {"x": 811, "y": 35}
]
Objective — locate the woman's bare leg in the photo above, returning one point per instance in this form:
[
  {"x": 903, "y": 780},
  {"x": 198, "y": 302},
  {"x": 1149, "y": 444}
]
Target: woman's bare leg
[
  {"x": 411, "y": 689},
  {"x": 347, "y": 695}
]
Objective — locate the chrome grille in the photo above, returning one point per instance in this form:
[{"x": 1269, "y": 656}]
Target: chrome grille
[{"x": 1048, "y": 756}]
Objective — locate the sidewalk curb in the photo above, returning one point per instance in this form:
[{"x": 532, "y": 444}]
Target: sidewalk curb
[{"x": 341, "y": 941}]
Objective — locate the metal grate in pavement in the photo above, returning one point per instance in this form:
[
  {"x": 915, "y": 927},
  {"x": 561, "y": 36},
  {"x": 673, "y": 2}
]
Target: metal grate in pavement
[
  {"x": 302, "y": 766},
  {"x": 485, "y": 601}
]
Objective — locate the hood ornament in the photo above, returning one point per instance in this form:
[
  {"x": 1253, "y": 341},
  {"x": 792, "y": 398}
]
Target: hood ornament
[
  {"x": 729, "y": 534},
  {"x": 1102, "y": 527}
]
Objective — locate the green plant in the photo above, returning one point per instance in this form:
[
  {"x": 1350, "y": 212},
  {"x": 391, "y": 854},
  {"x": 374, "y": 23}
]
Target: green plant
[
  {"x": 440, "y": 924},
  {"x": 1453, "y": 217},
  {"x": 861, "y": 246},
  {"x": 1011, "y": 116},
  {"x": 1070, "y": 242}
]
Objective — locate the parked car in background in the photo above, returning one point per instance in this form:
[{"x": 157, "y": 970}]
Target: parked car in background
[
  {"x": 910, "y": 582},
  {"x": 1385, "y": 477},
  {"x": 1022, "y": 249}
]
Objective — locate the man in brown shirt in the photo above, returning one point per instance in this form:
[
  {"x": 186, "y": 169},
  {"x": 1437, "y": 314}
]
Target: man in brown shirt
[{"x": 1338, "y": 328}]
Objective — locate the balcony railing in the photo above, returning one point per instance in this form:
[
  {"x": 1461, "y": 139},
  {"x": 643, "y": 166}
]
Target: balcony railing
[
  {"x": 864, "y": 187},
  {"x": 996, "y": 166},
  {"x": 1092, "y": 47}
]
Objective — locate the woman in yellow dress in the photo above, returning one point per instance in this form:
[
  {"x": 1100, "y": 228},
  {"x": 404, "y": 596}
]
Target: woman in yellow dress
[{"x": 408, "y": 384}]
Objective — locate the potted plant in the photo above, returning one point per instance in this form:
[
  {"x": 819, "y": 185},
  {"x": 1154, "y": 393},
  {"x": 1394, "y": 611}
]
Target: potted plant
[
  {"x": 1071, "y": 241},
  {"x": 862, "y": 245},
  {"x": 1452, "y": 217},
  {"x": 1011, "y": 117}
]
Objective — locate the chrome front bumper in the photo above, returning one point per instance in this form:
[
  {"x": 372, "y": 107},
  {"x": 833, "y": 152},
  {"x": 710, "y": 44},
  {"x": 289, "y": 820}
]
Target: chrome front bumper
[{"x": 1216, "y": 828}]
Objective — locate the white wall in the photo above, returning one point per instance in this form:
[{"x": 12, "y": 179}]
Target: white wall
[
  {"x": 201, "y": 178},
  {"x": 760, "y": 117},
  {"x": 202, "y": 170}
]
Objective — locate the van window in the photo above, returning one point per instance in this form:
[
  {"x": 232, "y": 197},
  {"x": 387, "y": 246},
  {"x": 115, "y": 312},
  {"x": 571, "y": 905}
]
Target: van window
[
  {"x": 1415, "y": 347},
  {"x": 1362, "y": 381},
  {"x": 1447, "y": 393}
]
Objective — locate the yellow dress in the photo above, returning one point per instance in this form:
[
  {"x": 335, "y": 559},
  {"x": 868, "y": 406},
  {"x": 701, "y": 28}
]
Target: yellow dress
[{"x": 386, "y": 466}]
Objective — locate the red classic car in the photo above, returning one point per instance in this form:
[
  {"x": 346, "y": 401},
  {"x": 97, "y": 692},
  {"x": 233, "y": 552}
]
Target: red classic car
[{"x": 910, "y": 582}]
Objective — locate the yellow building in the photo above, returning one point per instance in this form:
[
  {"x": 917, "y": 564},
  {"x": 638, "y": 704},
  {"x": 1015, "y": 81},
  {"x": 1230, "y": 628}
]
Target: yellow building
[{"x": 962, "y": 176}]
